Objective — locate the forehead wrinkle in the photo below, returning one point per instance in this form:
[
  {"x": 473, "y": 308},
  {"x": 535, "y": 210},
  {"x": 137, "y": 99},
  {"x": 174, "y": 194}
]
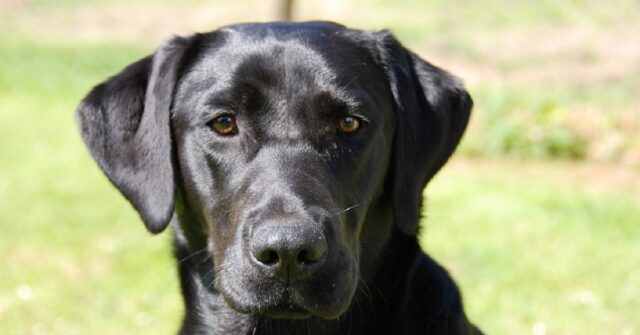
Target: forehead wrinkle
[
  {"x": 219, "y": 66},
  {"x": 296, "y": 67},
  {"x": 297, "y": 73}
]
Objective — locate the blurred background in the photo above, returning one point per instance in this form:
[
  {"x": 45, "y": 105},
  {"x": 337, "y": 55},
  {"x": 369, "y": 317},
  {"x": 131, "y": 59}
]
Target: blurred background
[{"x": 537, "y": 216}]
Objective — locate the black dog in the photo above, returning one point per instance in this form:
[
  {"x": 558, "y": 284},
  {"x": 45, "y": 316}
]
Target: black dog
[{"x": 290, "y": 159}]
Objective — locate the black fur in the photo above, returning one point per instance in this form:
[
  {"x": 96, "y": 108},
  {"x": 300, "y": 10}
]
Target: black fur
[{"x": 288, "y": 226}]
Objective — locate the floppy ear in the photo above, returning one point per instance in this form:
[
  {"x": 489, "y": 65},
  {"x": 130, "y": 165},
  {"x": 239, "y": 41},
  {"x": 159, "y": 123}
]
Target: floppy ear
[
  {"x": 432, "y": 109},
  {"x": 125, "y": 123}
]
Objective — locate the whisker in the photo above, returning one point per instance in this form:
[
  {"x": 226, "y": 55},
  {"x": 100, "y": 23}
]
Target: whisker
[
  {"x": 360, "y": 309},
  {"x": 365, "y": 290},
  {"x": 251, "y": 137},
  {"x": 348, "y": 208},
  {"x": 210, "y": 279},
  {"x": 384, "y": 299},
  {"x": 192, "y": 255}
]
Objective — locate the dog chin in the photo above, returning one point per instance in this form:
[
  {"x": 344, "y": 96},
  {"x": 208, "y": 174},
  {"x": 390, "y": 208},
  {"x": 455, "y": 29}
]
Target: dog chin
[
  {"x": 293, "y": 312},
  {"x": 289, "y": 312}
]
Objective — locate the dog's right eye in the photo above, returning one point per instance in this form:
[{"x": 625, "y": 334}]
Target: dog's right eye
[
  {"x": 348, "y": 124},
  {"x": 224, "y": 125}
]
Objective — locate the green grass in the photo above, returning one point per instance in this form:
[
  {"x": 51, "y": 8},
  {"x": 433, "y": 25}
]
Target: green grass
[
  {"x": 532, "y": 249},
  {"x": 74, "y": 258},
  {"x": 528, "y": 249}
]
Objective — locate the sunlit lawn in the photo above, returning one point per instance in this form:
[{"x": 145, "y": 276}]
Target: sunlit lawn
[
  {"x": 532, "y": 248},
  {"x": 74, "y": 258}
]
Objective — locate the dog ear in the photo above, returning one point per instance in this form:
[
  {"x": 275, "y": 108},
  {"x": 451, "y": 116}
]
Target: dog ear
[
  {"x": 432, "y": 109},
  {"x": 125, "y": 123}
]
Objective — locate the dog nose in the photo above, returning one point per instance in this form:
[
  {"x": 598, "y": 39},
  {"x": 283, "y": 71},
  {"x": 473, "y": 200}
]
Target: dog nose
[{"x": 288, "y": 252}]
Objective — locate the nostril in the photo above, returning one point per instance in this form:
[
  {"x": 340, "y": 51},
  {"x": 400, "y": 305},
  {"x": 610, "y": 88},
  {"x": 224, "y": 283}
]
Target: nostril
[
  {"x": 310, "y": 255},
  {"x": 287, "y": 252},
  {"x": 303, "y": 258},
  {"x": 267, "y": 257}
]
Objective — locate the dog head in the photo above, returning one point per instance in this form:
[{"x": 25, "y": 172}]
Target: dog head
[{"x": 293, "y": 148}]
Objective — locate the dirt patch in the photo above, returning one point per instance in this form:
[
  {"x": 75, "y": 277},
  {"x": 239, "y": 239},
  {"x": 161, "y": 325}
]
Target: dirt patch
[
  {"x": 557, "y": 54},
  {"x": 550, "y": 55},
  {"x": 11, "y": 4},
  {"x": 138, "y": 23}
]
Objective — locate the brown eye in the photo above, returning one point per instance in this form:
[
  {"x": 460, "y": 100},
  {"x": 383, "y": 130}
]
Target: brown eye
[
  {"x": 224, "y": 125},
  {"x": 348, "y": 124}
]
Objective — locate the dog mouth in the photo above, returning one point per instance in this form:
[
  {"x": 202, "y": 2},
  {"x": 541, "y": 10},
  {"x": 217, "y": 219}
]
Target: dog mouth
[
  {"x": 287, "y": 303},
  {"x": 286, "y": 309}
]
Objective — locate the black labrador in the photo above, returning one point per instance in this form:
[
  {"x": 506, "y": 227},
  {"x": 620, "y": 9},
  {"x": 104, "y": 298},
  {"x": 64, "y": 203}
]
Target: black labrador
[{"x": 290, "y": 159}]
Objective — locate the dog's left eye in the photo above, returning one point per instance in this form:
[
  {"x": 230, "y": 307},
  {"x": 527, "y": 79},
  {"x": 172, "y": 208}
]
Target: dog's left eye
[
  {"x": 224, "y": 125},
  {"x": 348, "y": 124}
]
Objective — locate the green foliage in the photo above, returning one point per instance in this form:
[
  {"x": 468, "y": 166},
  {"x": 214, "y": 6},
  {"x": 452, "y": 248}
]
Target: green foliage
[
  {"x": 567, "y": 121},
  {"x": 538, "y": 133}
]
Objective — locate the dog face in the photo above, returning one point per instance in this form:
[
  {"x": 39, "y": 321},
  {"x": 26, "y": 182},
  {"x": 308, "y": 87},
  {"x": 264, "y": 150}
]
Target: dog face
[
  {"x": 292, "y": 147},
  {"x": 278, "y": 143}
]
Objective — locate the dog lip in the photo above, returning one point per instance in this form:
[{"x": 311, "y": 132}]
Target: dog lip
[
  {"x": 285, "y": 308},
  {"x": 289, "y": 307},
  {"x": 292, "y": 310}
]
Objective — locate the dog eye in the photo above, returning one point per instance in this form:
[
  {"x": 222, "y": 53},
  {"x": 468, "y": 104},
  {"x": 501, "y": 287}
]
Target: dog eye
[
  {"x": 224, "y": 125},
  {"x": 348, "y": 124}
]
